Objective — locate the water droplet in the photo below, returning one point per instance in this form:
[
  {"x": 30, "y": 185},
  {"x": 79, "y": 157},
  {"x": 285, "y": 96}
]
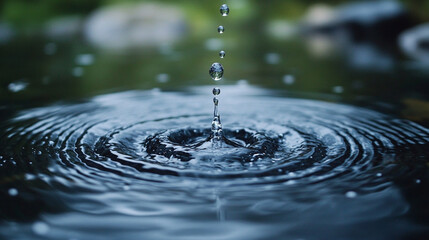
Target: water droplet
[
  {"x": 418, "y": 181},
  {"x": 216, "y": 71},
  {"x": 40, "y": 228},
  {"x": 216, "y": 125},
  {"x": 216, "y": 101},
  {"x": 39, "y": 153},
  {"x": 18, "y": 86},
  {"x": 216, "y": 91},
  {"x": 221, "y": 29},
  {"x": 222, "y": 54},
  {"x": 13, "y": 192},
  {"x": 379, "y": 174},
  {"x": 224, "y": 10},
  {"x": 351, "y": 194}
]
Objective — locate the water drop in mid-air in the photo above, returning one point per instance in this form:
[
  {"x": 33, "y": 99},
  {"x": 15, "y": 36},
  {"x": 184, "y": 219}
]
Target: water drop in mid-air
[
  {"x": 222, "y": 54},
  {"x": 216, "y": 91},
  {"x": 216, "y": 71},
  {"x": 221, "y": 29},
  {"x": 224, "y": 10}
]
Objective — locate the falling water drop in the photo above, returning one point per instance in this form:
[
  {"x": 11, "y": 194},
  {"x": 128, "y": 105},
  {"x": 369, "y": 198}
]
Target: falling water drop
[
  {"x": 224, "y": 10},
  {"x": 221, "y": 29},
  {"x": 222, "y": 54},
  {"x": 216, "y": 71},
  {"x": 216, "y": 91}
]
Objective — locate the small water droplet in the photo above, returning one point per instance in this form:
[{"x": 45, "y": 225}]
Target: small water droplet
[
  {"x": 216, "y": 71},
  {"x": 126, "y": 188},
  {"x": 351, "y": 194},
  {"x": 39, "y": 153},
  {"x": 379, "y": 174},
  {"x": 222, "y": 54},
  {"x": 13, "y": 192},
  {"x": 418, "y": 181},
  {"x": 216, "y": 101},
  {"x": 40, "y": 228},
  {"x": 224, "y": 10},
  {"x": 221, "y": 29},
  {"x": 216, "y": 91}
]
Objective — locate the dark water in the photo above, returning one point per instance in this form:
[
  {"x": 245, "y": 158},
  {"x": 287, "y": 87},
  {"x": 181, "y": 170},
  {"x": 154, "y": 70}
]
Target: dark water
[{"x": 138, "y": 165}]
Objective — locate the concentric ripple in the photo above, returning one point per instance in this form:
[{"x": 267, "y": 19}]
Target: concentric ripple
[
  {"x": 158, "y": 145},
  {"x": 134, "y": 134}
]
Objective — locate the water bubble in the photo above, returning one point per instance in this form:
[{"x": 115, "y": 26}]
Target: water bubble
[
  {"x": 351, "y": 194},
  {"x": 216, "y": 91},
  {"x": 40, "y": 228},
  {"x": 216, "y": 71},
  {"x": 224, "y": 10},
  {"x": 221, "y": 29},
  {"x": 13, "y": 192},
  {"x": 222, "y": 54}
]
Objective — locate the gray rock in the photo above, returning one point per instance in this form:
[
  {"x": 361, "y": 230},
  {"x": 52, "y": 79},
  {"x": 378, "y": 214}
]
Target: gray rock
[
  {"x": 366, "y": 20},
  {"x": 130, "y": 26}
]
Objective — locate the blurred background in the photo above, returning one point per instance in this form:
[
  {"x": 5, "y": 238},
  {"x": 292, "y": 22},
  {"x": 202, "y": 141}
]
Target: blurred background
[{"x": 369, "y": 53}]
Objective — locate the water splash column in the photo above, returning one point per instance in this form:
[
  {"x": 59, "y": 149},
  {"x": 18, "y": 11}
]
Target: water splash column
[{"x": 216, "y": 72}]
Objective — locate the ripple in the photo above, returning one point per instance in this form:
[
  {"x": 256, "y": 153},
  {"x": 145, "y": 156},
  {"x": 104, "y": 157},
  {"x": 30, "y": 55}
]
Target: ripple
[{"x": 156, "y": 149}]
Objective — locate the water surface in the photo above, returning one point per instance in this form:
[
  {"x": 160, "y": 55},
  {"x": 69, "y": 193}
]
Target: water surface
[{"x": 138, "y": 164}]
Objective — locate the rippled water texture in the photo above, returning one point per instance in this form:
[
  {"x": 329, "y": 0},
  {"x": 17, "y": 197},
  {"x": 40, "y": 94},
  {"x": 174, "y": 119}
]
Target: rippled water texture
[{"x": 139, "y": 165}]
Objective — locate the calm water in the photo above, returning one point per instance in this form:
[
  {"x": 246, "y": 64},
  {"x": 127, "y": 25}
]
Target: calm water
[{"x": 96, "y": 143}]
